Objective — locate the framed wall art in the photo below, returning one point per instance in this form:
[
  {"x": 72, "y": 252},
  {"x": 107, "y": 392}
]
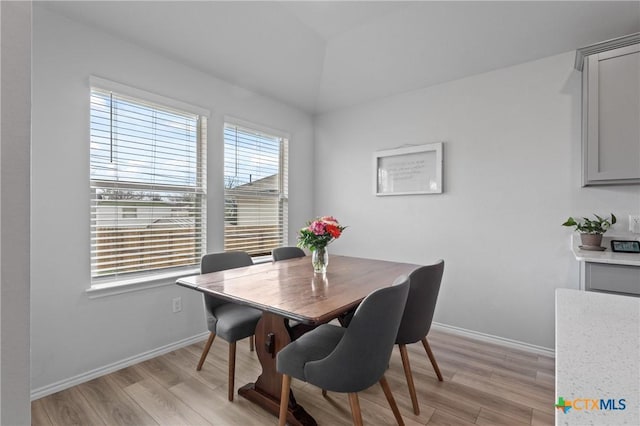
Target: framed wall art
[{"x": 409, "y": 170}]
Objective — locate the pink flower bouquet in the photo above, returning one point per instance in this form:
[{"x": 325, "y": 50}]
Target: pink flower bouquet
[{"x": 319, "y": 233}]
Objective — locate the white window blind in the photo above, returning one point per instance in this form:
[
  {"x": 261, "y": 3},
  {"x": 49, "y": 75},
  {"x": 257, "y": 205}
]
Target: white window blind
[
  {"x": 256, "y": 194},
  {"x": 148, "y": 186}
]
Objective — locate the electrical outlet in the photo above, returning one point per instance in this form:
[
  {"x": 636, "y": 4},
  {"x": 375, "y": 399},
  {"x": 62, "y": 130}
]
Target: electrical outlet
[
  {"x": 634, "y": 223},
  {"x": 177, "y": 304}
]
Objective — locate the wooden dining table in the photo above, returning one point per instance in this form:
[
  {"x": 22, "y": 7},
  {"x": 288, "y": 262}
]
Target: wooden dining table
[{"x": 288, "y": 292}]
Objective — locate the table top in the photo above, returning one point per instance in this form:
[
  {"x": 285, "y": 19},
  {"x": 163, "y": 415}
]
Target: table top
[
  {"x": 291, "y": 289},
  {"x": 597, "y": 357}
]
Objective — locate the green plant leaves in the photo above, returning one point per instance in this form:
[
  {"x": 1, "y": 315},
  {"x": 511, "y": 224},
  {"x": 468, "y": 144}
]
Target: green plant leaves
[{"x": 599, "y": 225}]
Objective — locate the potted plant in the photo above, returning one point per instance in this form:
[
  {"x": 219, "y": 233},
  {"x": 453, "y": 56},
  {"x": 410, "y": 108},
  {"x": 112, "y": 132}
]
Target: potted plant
[{"x": 591, "y": 230}]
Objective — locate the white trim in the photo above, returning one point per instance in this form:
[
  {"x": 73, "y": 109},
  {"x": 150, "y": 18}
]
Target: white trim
[
  {"x": 139, "y": 283},
  {"x": 489, "y": 338},
  {"x": 262, "y": 259},
  {"x": 110, "y": 368},
  {"x": 123, "y": 89},
  {"x": 251, "y": 126}
]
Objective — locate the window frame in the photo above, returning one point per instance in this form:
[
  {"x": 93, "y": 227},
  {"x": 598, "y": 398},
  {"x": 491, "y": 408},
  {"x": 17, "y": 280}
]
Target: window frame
[
  {"x": 131, "y": 281},
  {"x": 283, "y": 180}
]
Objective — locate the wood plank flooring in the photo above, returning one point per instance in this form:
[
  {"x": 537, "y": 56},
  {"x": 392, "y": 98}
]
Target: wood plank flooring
[{"x": 484, "y": 384}]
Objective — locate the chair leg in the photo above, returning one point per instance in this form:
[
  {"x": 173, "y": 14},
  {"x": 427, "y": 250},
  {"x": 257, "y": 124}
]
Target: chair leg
[
  {"x": 392, "y": 402},
  {"x": 232, "y": 369},
  {"x": 205, "y": 351},
  {"x": 355, "y": 409},
  {"x": 432, "y": 358},
  {"x": 284, "y": 400},
  {"x": 251, "y": 343},
  {"x": 407, "y": 372}
]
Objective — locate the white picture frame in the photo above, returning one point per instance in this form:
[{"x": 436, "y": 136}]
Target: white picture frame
[{"x": 408, "y": 171}]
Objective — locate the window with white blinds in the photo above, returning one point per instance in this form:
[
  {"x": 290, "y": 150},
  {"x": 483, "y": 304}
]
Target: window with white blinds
[
  {"x": 255, "y": 190},
  {"x": 148, "y": 186}
]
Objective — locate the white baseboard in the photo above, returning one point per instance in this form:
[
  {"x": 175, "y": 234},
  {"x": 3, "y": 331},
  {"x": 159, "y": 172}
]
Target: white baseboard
[
  {"x": 515, "y": 344},
  {"x": 90, "y": 375}
]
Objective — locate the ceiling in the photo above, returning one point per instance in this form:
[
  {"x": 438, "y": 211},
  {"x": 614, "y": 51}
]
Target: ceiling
[{"x": 326, "y": 55}]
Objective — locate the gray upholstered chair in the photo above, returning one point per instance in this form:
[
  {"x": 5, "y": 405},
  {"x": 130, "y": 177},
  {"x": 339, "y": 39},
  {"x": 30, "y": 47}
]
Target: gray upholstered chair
[
  {"x": 351, "y": 359},
  {"x": 284, "y": 253},
  {"x": 229, "y": 321},
  {"x": 416, "y": 320}
]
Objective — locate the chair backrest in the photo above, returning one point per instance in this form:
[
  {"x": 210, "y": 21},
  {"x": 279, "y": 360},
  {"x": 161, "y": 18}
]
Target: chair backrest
[
  {"x": 421, "y": 303},
  {"x": 362, "y": 356},
  {"x": 214, "y": 262},
  {"x": 284, "y": 253}
]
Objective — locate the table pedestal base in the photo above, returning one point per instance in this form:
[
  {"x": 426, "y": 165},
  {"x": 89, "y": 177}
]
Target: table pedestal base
[
  {"x": 273, "y": 334},
  {"x": 296, "y": 416}
]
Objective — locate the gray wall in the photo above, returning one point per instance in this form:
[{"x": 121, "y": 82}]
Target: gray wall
[
  {"x": 73, "y": 336},
  {"x": 15, "y": 90},
  {"x": 511, "y": 177}
]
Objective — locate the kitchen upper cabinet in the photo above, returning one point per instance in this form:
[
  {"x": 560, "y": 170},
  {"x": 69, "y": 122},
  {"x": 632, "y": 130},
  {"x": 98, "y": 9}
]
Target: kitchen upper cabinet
[{"x": 611, "y": 112}]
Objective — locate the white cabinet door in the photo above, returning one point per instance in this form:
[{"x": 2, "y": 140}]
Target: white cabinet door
[{"x": 611, "y": 90}]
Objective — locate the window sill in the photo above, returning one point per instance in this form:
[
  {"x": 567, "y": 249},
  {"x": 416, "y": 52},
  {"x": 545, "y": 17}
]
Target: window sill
[
  {"x": 262, "y": 259},
  {"x": 139, "y": 283},
  {"x": 112, "y": 288}
]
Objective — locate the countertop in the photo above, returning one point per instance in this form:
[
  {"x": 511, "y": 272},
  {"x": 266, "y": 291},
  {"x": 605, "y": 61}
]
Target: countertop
[
  {"x": 597, "y": 357},
  {"x": 607, "y": 256}
]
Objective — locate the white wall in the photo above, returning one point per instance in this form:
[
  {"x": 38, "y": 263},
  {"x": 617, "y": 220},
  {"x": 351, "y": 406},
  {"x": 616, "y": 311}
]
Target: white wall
[
  {"x": 72, "y": 335},
  {"x": 15, "y": 90},
  {"x": 511, "y": 177}
]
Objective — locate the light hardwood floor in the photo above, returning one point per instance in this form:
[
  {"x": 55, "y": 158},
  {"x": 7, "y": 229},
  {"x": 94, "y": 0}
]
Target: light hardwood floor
[{"x": 484, "y": 384}]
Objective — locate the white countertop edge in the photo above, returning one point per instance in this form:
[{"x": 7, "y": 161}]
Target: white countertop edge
[
  {"x": 597, "y": 349},
  {"x": 607, "y": 256}
]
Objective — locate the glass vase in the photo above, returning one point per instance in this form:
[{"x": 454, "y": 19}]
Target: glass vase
[{"x": 320, "y": 260}]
